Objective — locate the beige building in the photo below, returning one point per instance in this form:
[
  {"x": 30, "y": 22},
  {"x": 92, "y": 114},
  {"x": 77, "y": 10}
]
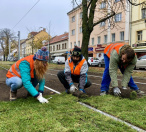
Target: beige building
[
  {"x": 103, "y": 33},
  {"x": 138, "y": 29},
  {"x": 34, "y": 38}
]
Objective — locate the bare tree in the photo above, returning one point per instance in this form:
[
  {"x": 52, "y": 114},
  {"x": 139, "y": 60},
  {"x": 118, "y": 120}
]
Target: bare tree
[
  {"x": 89, "y": 20},
  {"x": 5, "y": 35}
]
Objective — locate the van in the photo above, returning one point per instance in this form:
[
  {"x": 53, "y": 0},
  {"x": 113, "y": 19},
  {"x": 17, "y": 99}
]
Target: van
[{"x": 59, "y": 60}]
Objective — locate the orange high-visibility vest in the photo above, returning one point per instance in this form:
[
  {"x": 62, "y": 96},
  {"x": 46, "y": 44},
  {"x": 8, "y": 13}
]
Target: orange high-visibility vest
[
  {"x": 77, "y": 69},
  {"x": 15, "y": 71},
  {"x": 108, "y": 49}
]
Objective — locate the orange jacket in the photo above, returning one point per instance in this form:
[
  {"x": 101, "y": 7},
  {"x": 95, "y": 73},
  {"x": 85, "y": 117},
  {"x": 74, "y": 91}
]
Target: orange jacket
[
  {"x": 15, "y": 71},
  {"x": 110, "y": 48},
  {"x": 77, "y": 69}
]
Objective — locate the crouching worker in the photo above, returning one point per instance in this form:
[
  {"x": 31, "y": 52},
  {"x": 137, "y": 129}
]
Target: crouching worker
[
  {"x": 28, "y": 72},
  {"x": 123, "y": 57},
  {"x": 75, "y": 71}
]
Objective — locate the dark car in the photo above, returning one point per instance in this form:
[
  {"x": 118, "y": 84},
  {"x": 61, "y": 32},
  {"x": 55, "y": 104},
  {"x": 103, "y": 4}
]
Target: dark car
[{"x": 101, "y": 63}]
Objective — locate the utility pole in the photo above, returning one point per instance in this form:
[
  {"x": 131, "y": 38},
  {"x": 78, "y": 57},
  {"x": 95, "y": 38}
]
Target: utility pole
[
  {"x": 18, "y": 45},
  {"x": 9, "y": 48},
  {"x": 49, "y": 45}
]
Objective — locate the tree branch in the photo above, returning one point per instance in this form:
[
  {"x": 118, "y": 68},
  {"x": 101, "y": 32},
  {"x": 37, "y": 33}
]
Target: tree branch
[
  {"x": 102, "y": 20},
  {"x": 144, "y": 2}
]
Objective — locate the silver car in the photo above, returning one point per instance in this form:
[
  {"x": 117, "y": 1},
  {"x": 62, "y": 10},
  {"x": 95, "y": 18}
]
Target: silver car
[{"x": 141, "y": 62}]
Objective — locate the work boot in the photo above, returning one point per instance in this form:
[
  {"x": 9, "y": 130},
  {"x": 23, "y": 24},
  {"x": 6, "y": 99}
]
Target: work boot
[
  {"x": 103, "y": 93},
  {"x": 139, "y": 91},
  {"x": 13, "y": 95}
]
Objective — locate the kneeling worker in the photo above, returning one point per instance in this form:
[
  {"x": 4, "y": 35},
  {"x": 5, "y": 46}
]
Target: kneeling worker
[
  {"x": 76, "y": 68},
  {"x": 28, "y": 72},
  {"x": 123, "y": 57}
]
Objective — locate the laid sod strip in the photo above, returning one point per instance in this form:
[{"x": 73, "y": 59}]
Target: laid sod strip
[
  {"x": 134, "y": 127},
  {"x": 101, "y": 112},
  {"x": 131, "y": 111},
  {"x": 63, "y": 113}
]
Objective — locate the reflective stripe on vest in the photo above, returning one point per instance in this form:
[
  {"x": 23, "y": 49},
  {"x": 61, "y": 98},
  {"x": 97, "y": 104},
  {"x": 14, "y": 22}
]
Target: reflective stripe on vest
[
  {"x": 110, "y": 48},
  {"x": 15, "y": 71},
  {"x": 77, "y": 69}
]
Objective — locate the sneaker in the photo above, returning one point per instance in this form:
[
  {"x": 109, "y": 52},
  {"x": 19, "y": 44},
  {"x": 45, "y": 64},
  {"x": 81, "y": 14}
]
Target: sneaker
[
  {"x": 103, "y": 93},
  {"x": 13, "y": 95},
  {"x": 140, "y": 92}
]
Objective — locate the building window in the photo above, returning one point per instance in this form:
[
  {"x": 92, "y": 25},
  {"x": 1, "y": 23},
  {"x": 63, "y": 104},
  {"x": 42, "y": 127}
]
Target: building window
[
  {"x": 102, "y": 5},
  {"x": 50, "y": 48},
  {"x": 139, "y": 35},
  {"x": 65, "y": 46},
  {"x": 73, "y": 19},
  {"x": 71, "y": 45},
  {"x": 117, "y": 0},
  {"x": 80, "y": 29},
  {"x": 53, "y": 48},
  {"x": 79, "y": 43},
  {"x": 105, "y": 38},
  {"x": 73, "y": 32},
  {"x": 81, "y": 15},
  {"x": 62, "y": 46},
  {"x": 98, "y": 40},
  {"x": 57, "y": 47},
  {"x": 102, "y": 24},
  {"x": 122, "y": 35},
  {"x": 75, "y": 44},
  {"x": 143, "y": 13},
  {"x": 92, "y": 41},
  {"x": 118, "y": 17},
  {"x": 113, "y": 37}
]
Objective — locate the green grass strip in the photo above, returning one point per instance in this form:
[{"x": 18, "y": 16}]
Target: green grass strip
[
  {"x": 62, "y": 114},
  {"x": 132, "y": 111}
]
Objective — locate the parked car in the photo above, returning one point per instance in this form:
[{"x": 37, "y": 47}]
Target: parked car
[
  {"x": 141, "y": 62},
  {"x": 93, "y": 61},
  {"x": 59, "y": 60},
  {"x": 101, "y": 63}
]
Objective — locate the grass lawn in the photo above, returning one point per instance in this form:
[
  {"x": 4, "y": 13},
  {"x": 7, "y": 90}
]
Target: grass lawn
[
  {"x": 62, "y": 114},
  {"x": 132, "y": 111}
]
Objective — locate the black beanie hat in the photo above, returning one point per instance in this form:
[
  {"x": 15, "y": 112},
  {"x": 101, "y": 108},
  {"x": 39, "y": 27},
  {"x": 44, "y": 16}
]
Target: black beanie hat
[{"x": 76, "y": 52}]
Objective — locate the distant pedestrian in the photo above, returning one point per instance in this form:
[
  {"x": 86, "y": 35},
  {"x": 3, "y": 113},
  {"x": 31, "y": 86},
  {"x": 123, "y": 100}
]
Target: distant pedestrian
[
  {"x": 75, "y": 71},
  {"x": 28, "y": 72},
  {"x": 123, "y": 57}
]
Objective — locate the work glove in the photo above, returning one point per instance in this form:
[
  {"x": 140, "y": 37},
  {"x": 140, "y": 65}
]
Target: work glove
[
  {"x": 41, "y": 99},
  {"x": 124, "y": 87},
  {"x": 116, "y": 91},
  {"x": 73, "y": 88}
]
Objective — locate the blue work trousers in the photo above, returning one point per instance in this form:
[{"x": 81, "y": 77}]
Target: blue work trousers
[
  {"x": 16, "y": 83},
  {"x": 106, "y": 77}
]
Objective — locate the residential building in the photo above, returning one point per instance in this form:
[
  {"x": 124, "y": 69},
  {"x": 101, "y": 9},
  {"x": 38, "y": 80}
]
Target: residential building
[
  {"x": 59, "y": 46},
  {"x": 103, "y": 33},
  {"x": 138, "y": 29},
  {"x": 34, "y": 40}
]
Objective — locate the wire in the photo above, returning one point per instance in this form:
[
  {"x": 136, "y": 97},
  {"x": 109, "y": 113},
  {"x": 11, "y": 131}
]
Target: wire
[{"x": 26, "y": 13}]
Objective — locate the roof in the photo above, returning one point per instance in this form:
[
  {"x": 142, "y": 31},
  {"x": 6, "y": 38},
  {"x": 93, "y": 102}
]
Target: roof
[
  {"x": 59, "y": 38},
  {"x": 33, "y": 33}
]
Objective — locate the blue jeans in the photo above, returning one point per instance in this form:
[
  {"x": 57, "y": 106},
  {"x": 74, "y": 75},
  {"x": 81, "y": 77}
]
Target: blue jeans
[
  {"x": 106, "y": 77},
  {"x": 15, "y": 83}
]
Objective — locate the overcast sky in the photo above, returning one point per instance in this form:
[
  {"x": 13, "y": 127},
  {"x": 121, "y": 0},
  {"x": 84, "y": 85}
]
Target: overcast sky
[{"x": 43, "y": 13}]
